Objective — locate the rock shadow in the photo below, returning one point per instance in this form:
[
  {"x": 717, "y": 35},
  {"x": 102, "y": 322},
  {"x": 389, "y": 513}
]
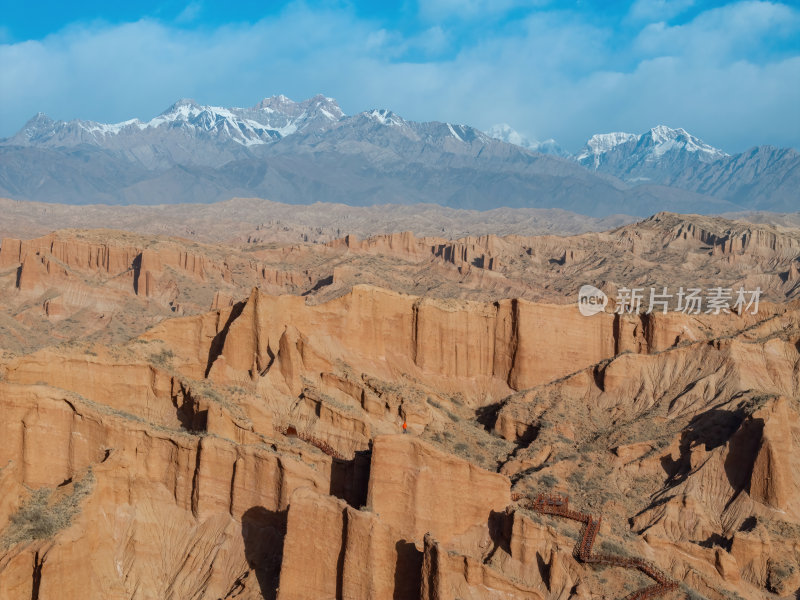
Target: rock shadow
[
  {"x": 321, "y": 283},
  {"x": 350, "y": 478},
  {"x": 487, "y": 415},
  {"x": 187, "y": 409},
  {"x": 713, "y": 428},
  {"x": 38, "y": 563},
  {"x": 500, "y": 526},
  {"x": 136, "y": 267},
  {"x": 749, "y": 524},
  {"x": 263, "y": 532},
  {"x": 219, "y": 340},
  {"x": 717, "y": 540},
  {"x": 744, "y": 447},
  {"x": 407, "y": 571},
  {"x": 544, "y": 569},
  {"x": 529, "y": 435}
]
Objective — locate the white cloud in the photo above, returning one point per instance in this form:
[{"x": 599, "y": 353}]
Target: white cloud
[
  {"x": 729, "y": 32},
  {"x": 190, "y": 12},
  {"x": 553, "y": 74},
  {"x": 658, "y": 10},
  {"x": 433, "y": 40},
  {"x": 470, "y": 9}
]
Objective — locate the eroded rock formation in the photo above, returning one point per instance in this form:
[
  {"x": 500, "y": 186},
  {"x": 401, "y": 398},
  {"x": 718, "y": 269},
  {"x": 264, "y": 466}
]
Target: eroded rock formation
[{"x": 248, "y": 444}]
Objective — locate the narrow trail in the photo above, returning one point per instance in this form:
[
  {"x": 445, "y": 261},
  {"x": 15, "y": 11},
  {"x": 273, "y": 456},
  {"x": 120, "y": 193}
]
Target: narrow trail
[{"x": 559, "y": 506}]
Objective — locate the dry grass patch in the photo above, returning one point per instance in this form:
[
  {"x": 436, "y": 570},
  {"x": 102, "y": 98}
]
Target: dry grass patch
[{"x": 46, "y": 512}]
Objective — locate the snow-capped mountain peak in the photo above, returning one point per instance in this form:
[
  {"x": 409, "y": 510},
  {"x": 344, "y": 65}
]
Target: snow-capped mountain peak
[
  {"x": 664, "y": 139},
  {"x": 384, "y": 117},
  {"x": 190, "y": 111},
  {"x": 308, "y": 151},
  {"x": 662, "y": 133},
  {"x": 661, "y": 155},
  {"x": 600, "y": 143},
  {"x": 183, "y": 102},
  {"x": 266, "y": 122},
  {"x": 318, "y": 105},
  {"x": 32, "y": 129},
  {"x": 649, "y": 147}
]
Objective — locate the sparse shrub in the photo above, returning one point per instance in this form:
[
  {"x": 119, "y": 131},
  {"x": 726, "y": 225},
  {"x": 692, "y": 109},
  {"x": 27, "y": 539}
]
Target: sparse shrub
[
  {"x": 576, "y": 478},
  {"x": 690, "y": 593},
  {"x": 548, "y": 481},
  {"x": 609, "y": 547},
  {"x": 778, "y": 573},
  {"x": 41, "y": 518},
  {"x": 434, "y": 403},
  {"x": 461, "y": 448},
  {"x": 453, "y": 417},
  {"x": 163, "y": 358}
]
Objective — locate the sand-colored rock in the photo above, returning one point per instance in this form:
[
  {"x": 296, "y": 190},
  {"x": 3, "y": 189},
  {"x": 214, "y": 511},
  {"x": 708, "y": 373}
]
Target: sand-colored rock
[
  {"x": 355, "y": 554},
  {"x": 163, "y": 503},
  {"x": 449, "y": 576},
  {"x": 477, "y": 349},
  {"x": 417, "y": 489},
  {"x": 751, "y": 551},
  {"x": 773, "y": 477},
  {"x": 139, "y": 389},
  {"x": 253, "y": 450}
]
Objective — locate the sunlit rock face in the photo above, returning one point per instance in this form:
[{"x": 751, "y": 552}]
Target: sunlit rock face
[{"x": 185, "y": 420}]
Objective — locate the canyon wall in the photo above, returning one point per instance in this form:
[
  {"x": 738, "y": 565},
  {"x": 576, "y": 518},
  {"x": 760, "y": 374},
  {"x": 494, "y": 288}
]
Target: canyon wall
[{"x": 471, "y": 347}]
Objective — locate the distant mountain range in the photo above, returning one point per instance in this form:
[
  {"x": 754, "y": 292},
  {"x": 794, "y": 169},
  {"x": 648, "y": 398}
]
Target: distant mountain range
[
  {"x": 763, "y": 178},
  {"x": 304, "y": 152}
]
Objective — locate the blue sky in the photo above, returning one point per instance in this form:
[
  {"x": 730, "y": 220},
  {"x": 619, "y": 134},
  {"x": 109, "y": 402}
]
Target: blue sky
[{"x": 728, "y": 72}]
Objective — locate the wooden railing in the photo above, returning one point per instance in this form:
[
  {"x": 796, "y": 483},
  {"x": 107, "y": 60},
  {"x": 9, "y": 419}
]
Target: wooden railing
[
  {"x": 316, "y": 442},
  {"x": 559, "y": 506}
]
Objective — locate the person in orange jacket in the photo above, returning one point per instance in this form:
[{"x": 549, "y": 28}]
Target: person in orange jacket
[{"x": 405, "y": 427}]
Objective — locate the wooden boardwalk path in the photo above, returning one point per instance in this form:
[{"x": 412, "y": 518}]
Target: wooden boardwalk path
[{"x": 558, "y": 506}]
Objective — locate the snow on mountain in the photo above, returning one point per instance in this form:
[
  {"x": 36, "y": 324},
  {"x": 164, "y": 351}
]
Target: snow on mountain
[
  {"x": 663, "y": 139},
  {"x": 270, "y": 120},
  {"x": 675, "y": 158},
  {"x": 225, "y": 123},
  {"x": 385, "y": 117},
  {"x": 505, "y": 133},
  {"x": 277, "y": 117},
  {"x": 393, "y": 129},
  {"x": 648, "y": 147},
  {"x": 600, "y": 143},
  {"x": 310, "y": 151}
]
